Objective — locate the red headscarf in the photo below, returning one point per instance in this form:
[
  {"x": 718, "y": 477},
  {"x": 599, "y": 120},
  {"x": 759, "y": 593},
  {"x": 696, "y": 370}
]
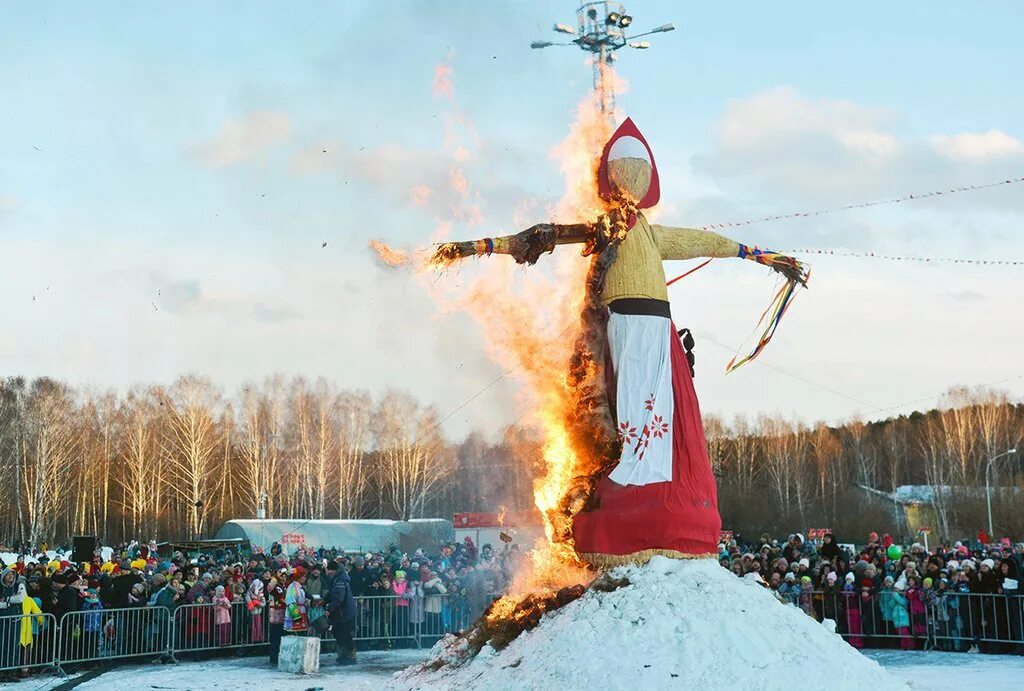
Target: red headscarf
[{"x": 621, "y": 139}]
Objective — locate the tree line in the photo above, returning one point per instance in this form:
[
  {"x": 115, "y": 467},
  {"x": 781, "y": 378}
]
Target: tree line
[
  {"x": 175, "y": 462},
  {"x": 777, "y": 475}
]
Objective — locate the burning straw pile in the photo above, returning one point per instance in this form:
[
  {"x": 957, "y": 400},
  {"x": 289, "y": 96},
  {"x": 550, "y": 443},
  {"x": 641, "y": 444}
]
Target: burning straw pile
[{"x": 506, "y": 619}]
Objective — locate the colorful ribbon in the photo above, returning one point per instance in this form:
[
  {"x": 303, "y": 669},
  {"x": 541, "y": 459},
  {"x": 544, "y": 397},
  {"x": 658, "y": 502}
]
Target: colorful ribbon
[{"x": 778, "y": 306}]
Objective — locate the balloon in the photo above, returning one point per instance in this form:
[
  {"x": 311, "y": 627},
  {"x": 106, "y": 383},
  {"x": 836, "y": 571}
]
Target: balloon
[{"x": 894, "y": 552}]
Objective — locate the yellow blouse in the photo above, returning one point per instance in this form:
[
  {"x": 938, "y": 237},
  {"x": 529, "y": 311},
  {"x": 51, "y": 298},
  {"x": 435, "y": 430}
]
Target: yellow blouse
[{"x": 638, "y": 271}]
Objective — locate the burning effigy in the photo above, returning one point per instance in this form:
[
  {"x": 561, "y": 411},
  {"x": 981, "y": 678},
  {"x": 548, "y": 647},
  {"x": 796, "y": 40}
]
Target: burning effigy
[{"x": 644, "y": 485}]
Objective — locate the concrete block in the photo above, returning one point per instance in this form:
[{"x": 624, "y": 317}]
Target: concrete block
[{"x": 299, "y": 655}]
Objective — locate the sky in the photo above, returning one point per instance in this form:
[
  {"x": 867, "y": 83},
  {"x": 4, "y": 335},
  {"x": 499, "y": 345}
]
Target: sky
[{"x": 170, "y": 174}]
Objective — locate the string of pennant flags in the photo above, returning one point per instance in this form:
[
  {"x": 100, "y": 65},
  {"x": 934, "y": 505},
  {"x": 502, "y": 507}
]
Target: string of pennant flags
[
  {"x": 899, "y": 258},
  {"x": 865, "y": 205}
]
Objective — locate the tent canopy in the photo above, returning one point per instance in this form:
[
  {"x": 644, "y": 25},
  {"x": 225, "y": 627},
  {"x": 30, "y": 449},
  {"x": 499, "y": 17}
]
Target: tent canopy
[{"x": 351, "y": 535}]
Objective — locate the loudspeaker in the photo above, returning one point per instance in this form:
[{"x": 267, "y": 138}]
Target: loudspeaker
[{"x": 84, "y": 548}]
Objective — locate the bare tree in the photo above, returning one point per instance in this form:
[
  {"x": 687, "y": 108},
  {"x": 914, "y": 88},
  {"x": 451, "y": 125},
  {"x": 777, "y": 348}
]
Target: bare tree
[
  {"x": 354, "y": 411},
  {"x": 48, "y": 456},
  {"x": 413, "y": 457},
  {"x": 190, "y": 443}
]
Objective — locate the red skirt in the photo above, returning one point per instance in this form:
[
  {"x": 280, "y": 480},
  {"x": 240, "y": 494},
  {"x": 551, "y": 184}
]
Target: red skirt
[{"x": 679, "y": 516}]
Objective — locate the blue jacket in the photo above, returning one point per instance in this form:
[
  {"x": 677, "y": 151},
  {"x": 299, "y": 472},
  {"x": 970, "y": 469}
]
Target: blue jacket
[
  {"x": 94, "y": 618},
  {"x": 340, "y": 603}
]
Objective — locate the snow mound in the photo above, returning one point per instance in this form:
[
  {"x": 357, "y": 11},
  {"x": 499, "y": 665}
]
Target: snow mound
[{"x": 680, "y": 624}]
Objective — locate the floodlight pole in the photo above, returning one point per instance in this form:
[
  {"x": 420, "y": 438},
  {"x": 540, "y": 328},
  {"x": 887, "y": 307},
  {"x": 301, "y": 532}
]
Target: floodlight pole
[
  {"x": 988, "y": 488},
  {"x": 601, "y": 30}
]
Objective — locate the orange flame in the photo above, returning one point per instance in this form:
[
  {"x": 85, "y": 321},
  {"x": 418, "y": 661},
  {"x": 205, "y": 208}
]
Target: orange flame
[
  {"x": 530, "y": 320},
  {"x": 388, "y": 255}
]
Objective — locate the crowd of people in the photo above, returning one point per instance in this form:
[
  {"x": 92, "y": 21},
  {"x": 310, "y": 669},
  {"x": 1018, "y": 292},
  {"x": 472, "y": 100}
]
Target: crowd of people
[
  {"x": 959, "y": 598},
  {"x": 224, "y": 599}
]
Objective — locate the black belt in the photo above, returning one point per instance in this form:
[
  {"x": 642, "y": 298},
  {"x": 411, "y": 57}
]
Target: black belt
[{"x": 644, "y": 306}]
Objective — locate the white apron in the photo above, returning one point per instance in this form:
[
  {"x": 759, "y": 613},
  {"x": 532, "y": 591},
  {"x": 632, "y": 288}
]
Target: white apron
[{"x": 640, "y": 348}]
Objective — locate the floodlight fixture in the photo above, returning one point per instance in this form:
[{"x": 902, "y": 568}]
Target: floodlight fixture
[{"x": 600, "y": 30}]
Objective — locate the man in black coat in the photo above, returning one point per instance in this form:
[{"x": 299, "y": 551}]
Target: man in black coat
[
  {"x": 122, "y": 585},
  {"x": 341, "y": 609}
]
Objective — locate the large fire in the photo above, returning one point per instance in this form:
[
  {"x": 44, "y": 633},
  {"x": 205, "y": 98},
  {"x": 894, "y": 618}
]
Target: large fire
[{"x": 531, "y": 321}]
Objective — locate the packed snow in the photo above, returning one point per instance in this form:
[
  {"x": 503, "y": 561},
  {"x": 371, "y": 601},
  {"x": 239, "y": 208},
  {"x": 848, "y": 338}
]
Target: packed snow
[
  {"x": 373, "y": 671},
  {"x": 680, "y": 624},
  {"x": 935, "y": 670},
  {"x": 376, "y": 670}
]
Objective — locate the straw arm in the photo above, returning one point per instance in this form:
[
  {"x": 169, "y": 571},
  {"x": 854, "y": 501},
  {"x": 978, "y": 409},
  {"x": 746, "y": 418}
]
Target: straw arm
[
  {"x": 525, "y": 247},
  {"x": 690, "y": 243}
]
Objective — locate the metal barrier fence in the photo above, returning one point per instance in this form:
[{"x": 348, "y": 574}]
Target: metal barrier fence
[
  {"x": 951, "y": 621},
  {"x": 103, "y": 634},
  {"x": 27, "y": 641},
  {"x": 211, "y": 627},
  {"x": 423, "y": 620}
]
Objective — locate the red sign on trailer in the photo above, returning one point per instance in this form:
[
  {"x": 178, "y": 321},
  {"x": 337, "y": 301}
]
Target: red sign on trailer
[{"x": 469, "y": 519}]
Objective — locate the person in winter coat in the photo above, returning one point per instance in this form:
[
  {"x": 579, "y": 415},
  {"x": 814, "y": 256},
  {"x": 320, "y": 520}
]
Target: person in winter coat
[
  {"x": 984, "y": 586},
  {"x": 435, "y": 591},
  {"x": 276, "y": 591},
  {"x": 11, "y": 598},
  {"x": 92, "y": 625},
  {"x": 414, "y": 593},
  {"x": 341, "y": 609},
  {"x": 851, "y": 603},
  {"x": 296, "y": 614},
  {"x": 256, "y": 603},
  {"x": 885, "y": 605},
  {"x": 315, "y": 591},
  {"x": 831, "y": 594},
  {"x": 789, "y": 591},
  {"x": 807, "y": 596},
  {"x": 1010, "y": 585},
  {"x": 941, "y": 612},
  {"x": 359, "y": 577},
  {"x": 201, "y": 589},
  {"x": 222, "y": 616},
  {"x": 829, "y": 549},
  {"x": 400, "y": 588},
  {"x": 900, "y": 615},
  {"x": 917, "y": 607},
  {"x": 32, "y": 622}
]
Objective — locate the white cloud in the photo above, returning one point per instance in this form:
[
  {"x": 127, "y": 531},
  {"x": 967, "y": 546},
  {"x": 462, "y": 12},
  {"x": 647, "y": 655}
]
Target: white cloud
[
  {"x": 977, "y": 146},
  {"x": 781, "y": 146},
  {"x": 243, "y": 139}
]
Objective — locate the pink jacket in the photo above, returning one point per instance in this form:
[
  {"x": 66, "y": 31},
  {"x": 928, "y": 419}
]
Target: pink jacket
[
  {"x": 399, "y": 588},
  {"x": 221, "y": 610}
]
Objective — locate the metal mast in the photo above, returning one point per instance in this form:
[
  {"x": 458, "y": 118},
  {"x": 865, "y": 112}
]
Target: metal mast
[{"x": 601, "y": 30}]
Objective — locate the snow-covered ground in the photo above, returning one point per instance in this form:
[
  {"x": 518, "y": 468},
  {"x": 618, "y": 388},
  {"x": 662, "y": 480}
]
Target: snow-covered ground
[
  {"x": 927, "y": 671},
  {"x": 375, "y": 670}
]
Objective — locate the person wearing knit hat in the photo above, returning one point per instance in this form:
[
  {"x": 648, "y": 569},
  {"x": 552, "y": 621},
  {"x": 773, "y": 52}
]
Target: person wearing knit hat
[{"x": 987, "y": 564}]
